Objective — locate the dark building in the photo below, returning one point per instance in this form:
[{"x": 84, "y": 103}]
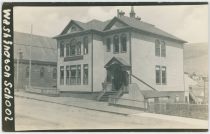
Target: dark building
[{"x": 42, "y": 53}]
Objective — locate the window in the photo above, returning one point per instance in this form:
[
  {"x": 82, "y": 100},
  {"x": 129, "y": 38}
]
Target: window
[
  {"x": 163, "y": 49},
  {"x": 158, "y": 75},
  {"x": 108, "y": 44},
  {"x": 27, "y": 72},
  {"x": 78, "y": 74},
  {"x": 163, "y": 70},
  {"x": 161, "y": 75},
  {"x": 42, "y": 72},
  {"x": 78, "y": 48},
  {"x": 62, "y": 49},
  {"x": 85, "y": 74},
  {"x": 157, "y": 48},
  {"x": 85, "y": 43},
  {"x": 160, "y": 48},
  {"x": 54, "y": 73},
  {"x": 67, "y": 75},
  {"x": 123, "y": 40},
  {"x": 73, "y": 47},
  {"x": 116, "y": 44},
  {"x": 67, "y": 49},
  {"x": 61, "y": 75},
  {"x": 73, "y": 71}
]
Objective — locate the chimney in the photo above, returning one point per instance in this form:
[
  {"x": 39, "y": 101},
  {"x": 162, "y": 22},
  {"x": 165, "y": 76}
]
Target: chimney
[
  {"x": 132, "y": 13},
  {"x": 120, "y": 13}
]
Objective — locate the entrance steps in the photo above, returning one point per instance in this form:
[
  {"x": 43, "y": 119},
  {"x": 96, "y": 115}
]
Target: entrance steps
[{"x": 104, "y": 96}]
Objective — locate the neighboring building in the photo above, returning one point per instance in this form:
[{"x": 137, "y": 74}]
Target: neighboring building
[
  {"x": 43, "y": 61},
  {"x": 197, "y": 88},
  {"x": 121, "y": 53}
]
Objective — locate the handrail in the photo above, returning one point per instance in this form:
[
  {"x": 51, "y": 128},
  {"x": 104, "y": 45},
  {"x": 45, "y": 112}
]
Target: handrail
[{"x": 143, "y": 82}]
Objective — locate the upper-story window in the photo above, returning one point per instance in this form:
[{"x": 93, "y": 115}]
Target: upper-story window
[
  {"x": 73, "y": 47},
  {"x": 123, "y": 41},
  {"x": 163, "y": 49},
  {"x": 62, "y": 49},
  {"x": 108, "y": 44},
  {"x": 157, "y": 48},
  {"x": 85, "y": 43},
  {"x": 160, "y": 48},
  {"x": 79, "y": 48},
  {"x": 67, "y": 49},
  {"x": 116, "y": 44}
]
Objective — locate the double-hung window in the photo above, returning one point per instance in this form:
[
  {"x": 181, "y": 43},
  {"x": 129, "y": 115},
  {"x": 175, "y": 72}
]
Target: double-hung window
[
  {"x": 123, "y": 41},
  {"x": 108, "y": 44},
  {"x": 160, "y": 72},
  {"x": 160, "y": 48}
]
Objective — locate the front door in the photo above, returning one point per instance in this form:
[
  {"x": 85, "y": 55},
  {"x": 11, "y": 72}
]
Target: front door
[{"x": 118, "y": 77}]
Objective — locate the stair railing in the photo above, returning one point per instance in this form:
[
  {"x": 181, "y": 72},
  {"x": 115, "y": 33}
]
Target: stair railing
[{"x": 143, "y": 82}]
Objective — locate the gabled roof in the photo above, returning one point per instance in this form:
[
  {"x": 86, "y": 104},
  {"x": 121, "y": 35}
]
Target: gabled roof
[
  {"x": 91, "y": 25},
  {"x": 103, "y": 26},
  {"x": 118, "y": 60},
  {"x": 144, "y": 26},
  {"x": 43, "y": 48}
]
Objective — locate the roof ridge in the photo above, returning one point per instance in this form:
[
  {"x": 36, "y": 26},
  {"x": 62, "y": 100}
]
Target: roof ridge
[{"x": 42, "y": 36}]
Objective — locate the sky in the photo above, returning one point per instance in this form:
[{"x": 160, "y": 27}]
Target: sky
[{"x": 189, "y": 22}]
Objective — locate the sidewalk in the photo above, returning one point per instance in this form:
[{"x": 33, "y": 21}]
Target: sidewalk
[
  {"x": 80, "y": 103},
  {"x": 104, "y": 107}
]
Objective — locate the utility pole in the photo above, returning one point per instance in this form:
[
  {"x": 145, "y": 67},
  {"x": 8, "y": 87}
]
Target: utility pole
[{"x": 30, "y": 44}]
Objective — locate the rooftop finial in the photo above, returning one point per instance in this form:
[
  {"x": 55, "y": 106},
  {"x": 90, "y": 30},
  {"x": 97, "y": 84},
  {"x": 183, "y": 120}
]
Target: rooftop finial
[{"x": 132, "y": 13}]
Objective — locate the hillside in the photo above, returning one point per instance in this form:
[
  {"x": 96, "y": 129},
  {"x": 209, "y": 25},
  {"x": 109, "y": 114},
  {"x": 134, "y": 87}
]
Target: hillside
[{"x": 196, "y": 58}]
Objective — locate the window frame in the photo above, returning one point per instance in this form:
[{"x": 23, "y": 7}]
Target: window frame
[
  {"x": 163, "y": 49},
  {"x": 62, "y": 46},
  {"x": 85, "y": 45},
  {"x": 116, "y": 42},
  {"x": 108, "y": 43},
  {"x": 163, "y": 67},
  {"x": 122, "y": 37},
  {"x": 157, "y": 48},
  {"x": 156, "y": 76},
  {"x": 73, "y": 47}
]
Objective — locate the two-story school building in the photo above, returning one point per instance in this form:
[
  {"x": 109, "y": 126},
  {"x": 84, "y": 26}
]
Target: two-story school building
[{"x": 122, "y": 52}]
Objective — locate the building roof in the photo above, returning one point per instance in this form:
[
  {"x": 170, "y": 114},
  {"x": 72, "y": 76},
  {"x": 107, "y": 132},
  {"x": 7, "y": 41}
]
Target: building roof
[
  {"x": 130, "y": 22},
  {"x": 144, "y": 26},
  {"x": 42, "y": 48},
  {"x": 119, "y": 61}
]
